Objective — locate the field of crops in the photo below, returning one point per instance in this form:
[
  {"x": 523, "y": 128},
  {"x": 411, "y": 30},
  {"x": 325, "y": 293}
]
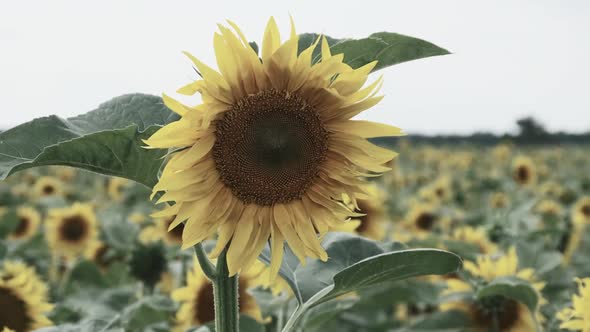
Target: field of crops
[{"x": 81, "y": 252}]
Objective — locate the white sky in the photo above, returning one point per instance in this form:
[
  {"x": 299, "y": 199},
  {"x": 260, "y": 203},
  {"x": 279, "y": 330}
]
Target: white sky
[{"x": 511, "y": 57}]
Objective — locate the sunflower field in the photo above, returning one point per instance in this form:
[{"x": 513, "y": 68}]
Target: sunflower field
[{"x": 267, "y": 207}]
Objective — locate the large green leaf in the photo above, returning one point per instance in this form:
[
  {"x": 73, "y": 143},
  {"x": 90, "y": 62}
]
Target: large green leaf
[
  {"x": 387, "y": 48},
  {"x": 513, "y": 288},
  {"x": 347, "y": 270},
  {"x": 106, "y": 140}
]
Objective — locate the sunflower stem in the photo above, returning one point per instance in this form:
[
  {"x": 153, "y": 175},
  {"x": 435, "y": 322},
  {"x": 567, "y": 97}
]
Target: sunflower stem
[
  {"x": 206, "y": 265},
  {"x": 225, "y": 293}
]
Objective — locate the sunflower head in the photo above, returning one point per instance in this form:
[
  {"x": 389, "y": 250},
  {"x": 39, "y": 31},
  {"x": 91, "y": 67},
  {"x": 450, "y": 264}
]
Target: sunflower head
[
  {"x": 549, "y": 208},
  {"x": 577, "y": 317},
  {"x": 581, "y": 210},
  {"x": 477, "y": 237},
  {"x": 46, "y": 186},
  {"x": 116, "y": 188},
  {"x": 71, "y": 230},
  {"x": 28, "y": 223},
  {"x": 24, "y": 307},
  {"x": 524, "y": 171},
  {"x": 196, "y": 298},
  {"x": 271, "y": 147},
  {"x": 423, "y": 218},
  {"x": 499, "y": 200}
]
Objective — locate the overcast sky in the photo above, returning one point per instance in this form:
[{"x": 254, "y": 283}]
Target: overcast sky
[{"x": 511, "y": 58}]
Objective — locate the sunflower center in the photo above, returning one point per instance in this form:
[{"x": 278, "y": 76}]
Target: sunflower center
[
  {"x": 14, "y": 311},
  {"x": 586, "y": 210},
  {"x": 22, "y": 227},
  {"x": 496, "y": 310},
  {"x": 522, "y": 174},
  {"x": 48, "y": 189},
  {"x": 425, "y": 221},
  {"x": 269, "y": 147},
  {"x": 73, "y": 228}
]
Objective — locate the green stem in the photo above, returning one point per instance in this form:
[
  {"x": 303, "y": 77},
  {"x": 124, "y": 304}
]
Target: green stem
[
  {"x": 206, "y": 265},
  {"x": 225, "y": 293}
]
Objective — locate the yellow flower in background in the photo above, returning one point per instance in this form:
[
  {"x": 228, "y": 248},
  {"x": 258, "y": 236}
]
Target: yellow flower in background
[
  {"x": 475, "y": 236},
  {"x": 28, "y": 223},
  {"x": 172, "y": 236},
  {"x": 442, "y": 188},
  {"x": 512, "y": 316},
  {"x": 551, "y": 189},
  {"x": 499, "y": 200},
  {"x": 101, "y": 254},
  {"x": 549, "y": 208},
  {"x": 27, "y": 275},
  {"x": 524, "y": 171},
  {"x": 577, "y": 317},
  {"x": 23, "y": 307},
  {"x": 65, "y": 173},
  {"x": 71, "y": 230},
  {"x": 501, "y": 152},
  {"x": 116, "y": 188},
  {"x": 149, "y": 234},
  {"x": 372, "y": 223},
  {"x": 46, "y": 186},
  {"x": 422, "y": 219},
  {"x": 571, "y": 241},
  {"x": 137, "y": 218},
  {"x": 269, "y": 148},
  {"x": 581, "y": 210},
  {"x": 196, "y": 299}
]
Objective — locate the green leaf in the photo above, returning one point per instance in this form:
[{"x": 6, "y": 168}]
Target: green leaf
[
  {"x": 106, "y": 140},
  {"x": 317, "y": 317},
  {"x": 147, "y": 311},
  {"x": 84, "y": 275},
  {"x": 513, "y": 288},
  {"x": 347, "y": 271},
  {"x": 387, "y": 48}
]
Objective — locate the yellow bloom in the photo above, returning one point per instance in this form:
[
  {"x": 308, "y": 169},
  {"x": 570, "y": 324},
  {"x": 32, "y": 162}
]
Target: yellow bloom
[
  {"x": 27, "y": 275},
  {"x": 512, "y": 316},
  {"x": 116, "y": 187},
  {"x": 71, "y": 230},
  {"x": 196, "y": 299},
  {"x": 581, "y": 210},
  {"x": 150, "y": 234},
  {"x": 23, "y": 305},
  {"x": 524, "y": 171},
  {"x": 28, "y": 223},
  {"x": 577, "y": 317},
  {"x": 371, "y": 223},
  {"x": 499, "y": 200},
  {"x": 422, "y": 219},
  {"x": 549, "y": 208},
  {"x": 101, "y": 254},
  {"x": 48, "y": 186},
  {"x": 137, "y": 218},
  {"x": 269, "y": 148},
  {"x": 475, "y": 236}
]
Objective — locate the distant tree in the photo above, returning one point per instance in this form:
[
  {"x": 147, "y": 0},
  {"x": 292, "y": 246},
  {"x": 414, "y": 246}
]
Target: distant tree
[{"x": 531, "y": 131}]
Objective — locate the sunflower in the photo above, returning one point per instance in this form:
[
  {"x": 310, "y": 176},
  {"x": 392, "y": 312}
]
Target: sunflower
[
  {"x": 581, "y": 210},
  {"x": 23, "y": 308},
  {"x": 476, "y": 237},
  {"x": 577, "y": 317},
  {"x": 65, "y": 173},
  {"x": 499, "y": 200},
  {"x": 101, "y": 254},
  {"x": 551, "y": 189},
  {"x": 270, "y": 149},
  {"x": 46, "y": 186},
  {"x": 150, "y": 234},
  {"x": 196, "y": 298},
  {"x": 116, "y": 188},
  {"x": 28, "y": 223},
  {"x": 137, "y": 218},
  {"x": 549, "y": 208},
  {"x": 172, "y": 236},
  {"x": 27, "y": 274},
  {"x": 512, "y": 316},
  {"x": 524, "y": 171},
  {"x": 422, "y": 219},
  {"x": 71, "y": 230},
  {"x": 571, "y": 240},
  {"x": 371, "y": 223}
]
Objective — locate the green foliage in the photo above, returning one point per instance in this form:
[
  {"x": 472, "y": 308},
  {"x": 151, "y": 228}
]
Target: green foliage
[
  {"x": 513, "y": 288},
  {"x": 107, "y": 140},
  {"x": 387, "y": 48}
]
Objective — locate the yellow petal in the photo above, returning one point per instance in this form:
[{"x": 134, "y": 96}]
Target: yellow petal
[
  {"x": 365, "y": 129},
  {"x": 271, "y": 40}
]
